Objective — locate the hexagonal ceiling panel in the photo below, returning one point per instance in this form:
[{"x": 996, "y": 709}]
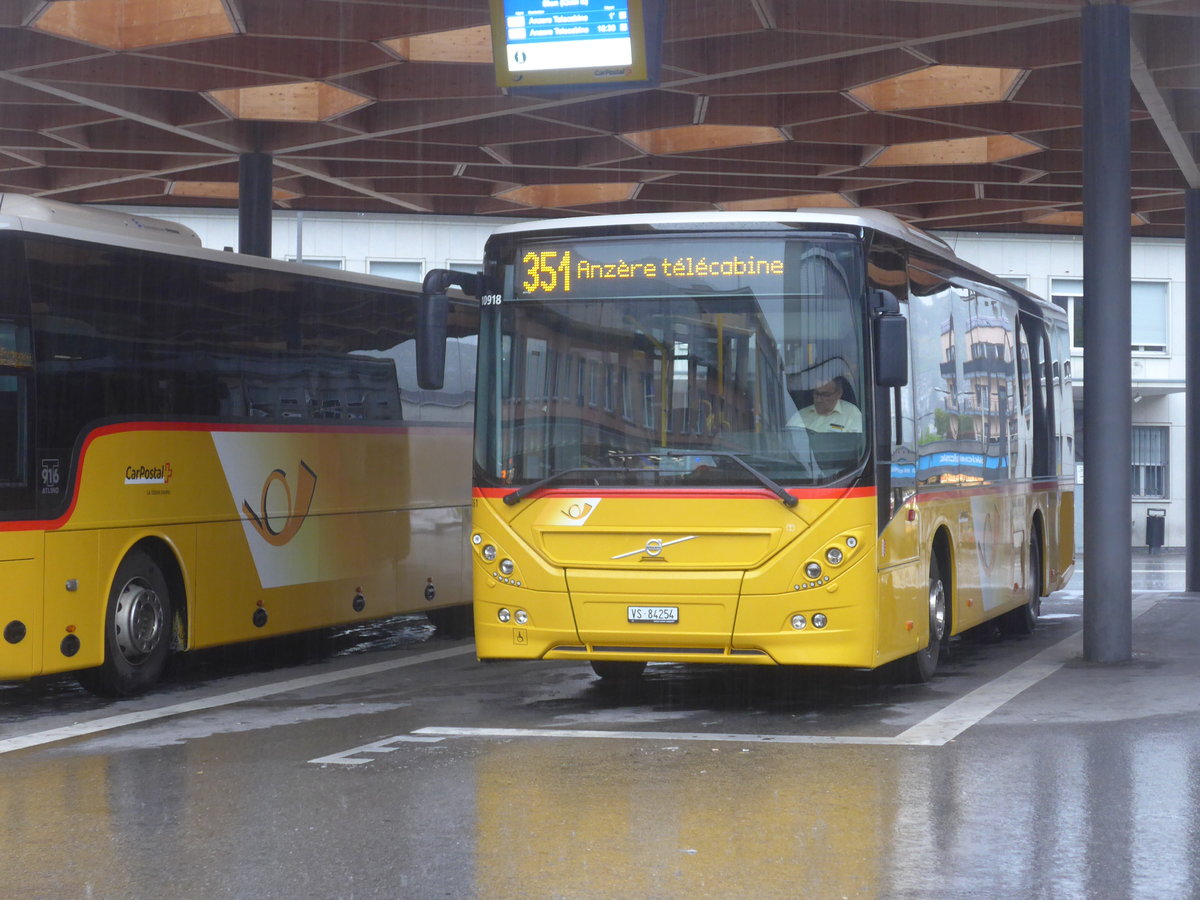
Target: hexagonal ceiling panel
[{"x": 951, "y": 114}]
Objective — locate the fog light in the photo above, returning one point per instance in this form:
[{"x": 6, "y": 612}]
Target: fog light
[
  {"x": 813, "y": 570},
  {"x": 506, "y": 566},
  {"x": 489, "y": 552},
  {"x": 834, "y": 556},
  {"x": 504, "y": 615},
  {"x": 799, "y": 622},
  {"x": 819, "y": 620},
  {"x": 522, "y": 617},
  {"x": 477, "y": 539}
]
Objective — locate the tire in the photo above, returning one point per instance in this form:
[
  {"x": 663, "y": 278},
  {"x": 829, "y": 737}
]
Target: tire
[
  {"x": 919, "y": 668},
  {"x": 613, "y": 672},
  {"x": 1022, "y": 620},
  {"x": 453, "y": 622},
  {"x": 137, "y": 630}
]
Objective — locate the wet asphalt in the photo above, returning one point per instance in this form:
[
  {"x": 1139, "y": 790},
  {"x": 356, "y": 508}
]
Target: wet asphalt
[{"x": 387, "y": 762}]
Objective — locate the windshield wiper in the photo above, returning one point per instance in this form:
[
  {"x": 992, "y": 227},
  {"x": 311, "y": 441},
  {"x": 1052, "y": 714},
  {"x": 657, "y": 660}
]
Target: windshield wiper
[
  {"x": 522, "y": 492},
  {"x": 763, "y": 479},
  {"x": 760, "y": 477}
]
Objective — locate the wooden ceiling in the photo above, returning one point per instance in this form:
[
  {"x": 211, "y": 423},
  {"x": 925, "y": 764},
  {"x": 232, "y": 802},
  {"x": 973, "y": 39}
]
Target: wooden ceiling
[{"x": 761, "y": 104}]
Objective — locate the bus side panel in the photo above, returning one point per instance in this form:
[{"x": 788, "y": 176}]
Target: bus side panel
[
  {"x": 21, "y": 604},
  {"x": 903, "y": 585},
  {"x": 75, "y": 599},
  {"x": 438, "y": 494}
]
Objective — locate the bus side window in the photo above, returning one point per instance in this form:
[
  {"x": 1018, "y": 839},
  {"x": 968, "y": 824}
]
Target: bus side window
[{"x": 16, "y": 364}]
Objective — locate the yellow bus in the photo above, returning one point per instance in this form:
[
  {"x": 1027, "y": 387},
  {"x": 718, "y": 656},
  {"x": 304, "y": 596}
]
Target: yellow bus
[
  {"x": 813, "y": 438},
  {"x": 199, "y": 448}
]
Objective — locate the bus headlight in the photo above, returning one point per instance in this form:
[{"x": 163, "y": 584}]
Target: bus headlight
[
  {"x": 819, "y": 620},
  {"x": 506, "y": 567},
  {"x": 477, "y": 539},
  {"x": 834, "y": 556},
  {"x": 522, "y": 617},
  {"x": 799, "y": 622},
  {"x": 504, "y": 615},
  {"x": 489, "y": 552},
  {"x": 812, "y": 570}
]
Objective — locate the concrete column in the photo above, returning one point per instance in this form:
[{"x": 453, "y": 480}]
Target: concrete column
[
  {"x": 254, "y": 204},
  {"x": 1107, "y": 405},
  {"x": 1192, "y": 397}
]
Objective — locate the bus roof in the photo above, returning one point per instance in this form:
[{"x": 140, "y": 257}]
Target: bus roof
[
  {"x": 853, "y": 218},
  {"x": 88, "y": 218},
  {"x": 20, "y": 212}
]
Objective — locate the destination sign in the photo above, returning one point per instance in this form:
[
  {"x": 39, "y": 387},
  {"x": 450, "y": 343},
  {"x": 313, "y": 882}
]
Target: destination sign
[{"x": 634, "y": 268}]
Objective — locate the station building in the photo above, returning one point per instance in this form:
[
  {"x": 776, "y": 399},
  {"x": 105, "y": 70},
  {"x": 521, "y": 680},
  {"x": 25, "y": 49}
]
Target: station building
[{"x": 401, "y": 246}]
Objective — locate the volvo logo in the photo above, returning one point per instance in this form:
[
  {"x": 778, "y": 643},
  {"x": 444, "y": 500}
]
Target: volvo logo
[{"x": 654, "y": 547}]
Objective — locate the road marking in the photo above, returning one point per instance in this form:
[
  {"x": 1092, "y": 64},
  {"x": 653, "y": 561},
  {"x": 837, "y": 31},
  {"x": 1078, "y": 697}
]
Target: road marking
[
  {"x": 351, "y": 758},
  {"x": 84, "y": 729},
  {"x": 949, "y": 722},
  {"x": 936, "y": 730},
  {"x": 443, "y": 731}
]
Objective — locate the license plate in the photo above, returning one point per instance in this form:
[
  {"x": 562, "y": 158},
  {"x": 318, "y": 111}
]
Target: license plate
[{"x": 665, "y": 614}]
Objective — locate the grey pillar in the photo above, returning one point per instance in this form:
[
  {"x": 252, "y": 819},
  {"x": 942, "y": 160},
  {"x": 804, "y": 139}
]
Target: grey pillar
[
  {"x": 254, "y": 204},
  {"x": 1192, "y": 397},
  {"x": 1107, "y": 406}
]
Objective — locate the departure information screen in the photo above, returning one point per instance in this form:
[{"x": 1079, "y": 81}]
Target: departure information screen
[{"x": 538, "y": 42}]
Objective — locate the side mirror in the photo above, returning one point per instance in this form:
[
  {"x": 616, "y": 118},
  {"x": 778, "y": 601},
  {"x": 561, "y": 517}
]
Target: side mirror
[
  {"x": 891, "y": 341},
  {"x": 433, "y": 312}
]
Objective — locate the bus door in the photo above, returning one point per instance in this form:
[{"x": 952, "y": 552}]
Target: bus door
[{"x": 20, "y": 548}]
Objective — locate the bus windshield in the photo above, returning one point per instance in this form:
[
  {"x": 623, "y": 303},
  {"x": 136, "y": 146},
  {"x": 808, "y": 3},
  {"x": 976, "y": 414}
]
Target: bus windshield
[{"x": 675, "y": 361}]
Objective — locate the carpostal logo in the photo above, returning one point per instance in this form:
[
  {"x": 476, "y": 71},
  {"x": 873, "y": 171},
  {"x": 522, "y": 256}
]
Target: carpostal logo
[
  {"x": 148, "y": 474},
  {"x": 295, "y": 506}
]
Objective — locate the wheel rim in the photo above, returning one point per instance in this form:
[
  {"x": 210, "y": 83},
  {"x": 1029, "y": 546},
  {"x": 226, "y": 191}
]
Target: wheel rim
[
  {"x": 937, "y": 611},
  {"x": 1034, "y": 590},
  {"x": 139, "y": 621}
]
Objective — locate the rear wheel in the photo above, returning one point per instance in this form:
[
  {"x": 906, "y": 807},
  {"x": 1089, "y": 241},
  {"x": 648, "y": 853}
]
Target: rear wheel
[
  {"x": 137, "y": 630},
  {"x": 919, "y": 667},
  {"x": 1023, "y": 619},
  {"x": 618, "y": 672}
]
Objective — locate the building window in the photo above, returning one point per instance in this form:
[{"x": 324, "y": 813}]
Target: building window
[
  {"x": 394, "y": 268},
  {"x": 1148, "y": 478},
  {"x": 1068, "y": 293},
  {"x": 1148, "y": 330},
  {"x": 323, "y": 262},
  {"x": 1148, "y": 300}
]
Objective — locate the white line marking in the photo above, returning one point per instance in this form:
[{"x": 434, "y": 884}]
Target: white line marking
[
  {"x": 83, "y": 729},
  {"x": 949, "y": 722},
  {"x": 652, "y": 735},
  {"x": 349, "y": 757},
  {"x": 935, "y": 731}
]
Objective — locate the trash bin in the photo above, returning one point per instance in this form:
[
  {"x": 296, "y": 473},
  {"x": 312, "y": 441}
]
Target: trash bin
[{"x": 1156, "y": 520}]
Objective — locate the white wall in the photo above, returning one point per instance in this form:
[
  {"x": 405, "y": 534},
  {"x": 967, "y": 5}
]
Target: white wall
[{"x": 355, "y": 239}]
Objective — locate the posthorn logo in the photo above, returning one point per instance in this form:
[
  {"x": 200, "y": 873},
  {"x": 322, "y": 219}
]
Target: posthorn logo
[{"x": 148, "y": 474}]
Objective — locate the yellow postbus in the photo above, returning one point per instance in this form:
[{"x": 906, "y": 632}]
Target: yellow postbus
[
  {"x": 199, "y": 448},
  {"x": 813, "y": 438}
]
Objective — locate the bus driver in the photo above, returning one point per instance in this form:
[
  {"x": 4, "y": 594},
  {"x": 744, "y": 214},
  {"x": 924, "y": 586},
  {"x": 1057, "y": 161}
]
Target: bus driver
[{"x": 829, "y": 412}]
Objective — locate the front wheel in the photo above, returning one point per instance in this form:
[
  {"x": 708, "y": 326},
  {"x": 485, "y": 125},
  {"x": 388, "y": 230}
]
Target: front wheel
[
  {"x": 614, "y": 672},
  {"x": 137, "y": 630},
  {"x": 919, "y": 668}
]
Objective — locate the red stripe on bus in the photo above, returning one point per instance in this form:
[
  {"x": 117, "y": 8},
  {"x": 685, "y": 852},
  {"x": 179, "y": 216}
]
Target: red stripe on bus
[
  {"x": 683, "y": 493},
  {"x": 207, "y": 427}
]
